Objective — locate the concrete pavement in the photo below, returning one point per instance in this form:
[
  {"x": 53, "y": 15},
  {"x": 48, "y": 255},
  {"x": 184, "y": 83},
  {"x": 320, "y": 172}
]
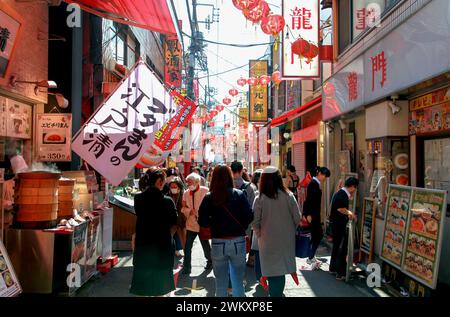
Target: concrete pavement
[{"x": 200, "y": 283}]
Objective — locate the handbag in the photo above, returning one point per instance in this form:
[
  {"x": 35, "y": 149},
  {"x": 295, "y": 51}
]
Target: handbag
[
  {"x": 302, "y": 243},
  {"x": 247, "y": 239}
]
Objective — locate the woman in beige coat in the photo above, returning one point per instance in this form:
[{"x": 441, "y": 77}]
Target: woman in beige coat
[{"x": 276, "y": 217}]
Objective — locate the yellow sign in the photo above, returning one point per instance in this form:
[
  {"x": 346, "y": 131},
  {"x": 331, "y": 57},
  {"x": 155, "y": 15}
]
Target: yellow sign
[
  {"x": 258, "y": 105},
  {"x": 436, "y": 97},
  {"x": 243, "y": 118}
]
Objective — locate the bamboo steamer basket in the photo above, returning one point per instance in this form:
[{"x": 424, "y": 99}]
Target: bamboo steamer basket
[
  {"x": 36, "y": 201},
  {"x": 65, "y": 198}
]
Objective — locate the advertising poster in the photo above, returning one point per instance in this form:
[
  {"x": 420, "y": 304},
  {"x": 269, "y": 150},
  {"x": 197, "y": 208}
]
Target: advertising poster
[
  {"x": 93, "y": 234},
  {"x": 79, "y": 249},
  {"x": 368, "y": 223},
  {"x": 173, "y": 53},
  {"x": 19, "y": 119},
  {"x": 397, "y": 211},
  {"x": 344, "y": 162},
  {"x": 425, "y": 234},
  {"x": 53, "y": 135},
  {"x": 9, "y": 284}
]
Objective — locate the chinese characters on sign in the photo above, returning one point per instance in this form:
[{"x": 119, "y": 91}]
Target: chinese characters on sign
[
  {"x": 243, "y": 124},
  {"x": 168, "y": 135},
  {"x": 259, "y": 93},
  {"x": 9, "y": 28},
  {"x": 352, "y": 82},
  {"x": 173, "y": 64},
  {"x": 301, "y": 19},
  {"x": 366, "y": 14},
  {"x": 300, "y": 39},
  {"x": 53, "y": 135},
  {"x": 379, "y": 64},
  {"x": 118, "y": 134}
]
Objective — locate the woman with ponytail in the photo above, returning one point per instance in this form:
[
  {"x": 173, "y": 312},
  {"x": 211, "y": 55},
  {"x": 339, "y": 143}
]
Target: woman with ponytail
[
  {"x": 311, "y": 211},
  {"x": 153, "y": 253}
]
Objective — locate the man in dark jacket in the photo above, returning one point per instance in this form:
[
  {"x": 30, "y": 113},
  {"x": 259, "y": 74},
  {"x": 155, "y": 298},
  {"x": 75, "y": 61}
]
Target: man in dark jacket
[
  {"x": 311, "y": 210},
  {"x": 339, "y": 217}
]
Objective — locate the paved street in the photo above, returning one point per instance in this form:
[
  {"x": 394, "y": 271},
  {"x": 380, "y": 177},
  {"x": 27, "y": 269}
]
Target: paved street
[{"x": 311, "y": 283}]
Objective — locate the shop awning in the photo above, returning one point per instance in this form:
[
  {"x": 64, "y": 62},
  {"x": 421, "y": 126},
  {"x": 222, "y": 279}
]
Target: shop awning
[
  {"x": 295, "y": 113},
  {"x": 153, "y": 15}
]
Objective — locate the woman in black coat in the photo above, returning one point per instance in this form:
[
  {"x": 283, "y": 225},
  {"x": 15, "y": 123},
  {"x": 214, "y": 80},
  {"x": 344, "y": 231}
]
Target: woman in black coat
[
  {"x": 153, "y": 256},
  {"x": 311, "y": 210}
]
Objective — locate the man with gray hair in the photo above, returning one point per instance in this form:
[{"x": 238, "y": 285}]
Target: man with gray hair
[{"x": 192, "y": 199}]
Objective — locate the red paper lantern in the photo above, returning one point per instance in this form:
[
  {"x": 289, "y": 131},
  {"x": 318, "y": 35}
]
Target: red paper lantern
[
  {"x": 256, "y": 14},
  {"x": 211, "y": 124},
  {"x": 242, "y": 82},
  {"x": 276, "y": 77},
  {"x": 233, "y": 92},
  {"x": 300, "y": 47},
  {"x": 214, "y": 113},
  {"x": 305, "y": 49},
  {"x": 246, "y": 4},
  {"x": 226, "y": 101},
  {"x": 220, "y": 108},
  {"x": 252, "y": 81},
  {"x": 264, "y": 79},
  {"x": 272, "y": 24}
]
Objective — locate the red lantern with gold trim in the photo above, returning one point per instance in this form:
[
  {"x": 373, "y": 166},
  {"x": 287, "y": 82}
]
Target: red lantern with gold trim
[
  {"x": 213, "y": 113},
  {"x": 220, "y": 108},
  {"x": 245, "y": 4},
  {"x": 264, "y": 79},
  {"x": 242, "y": 82},
  {"x": 233, "y": 92},
  {"x": 256, "y": 14},
  {"x": 272, "y": 24},
  {"x": 276, "y": 77},
  {"x": 226, "y": 101},
  {"x": 252, "y": 81}
]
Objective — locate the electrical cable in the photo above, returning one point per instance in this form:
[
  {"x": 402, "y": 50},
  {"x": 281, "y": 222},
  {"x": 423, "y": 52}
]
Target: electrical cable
[{"x": 229, "y": 44}]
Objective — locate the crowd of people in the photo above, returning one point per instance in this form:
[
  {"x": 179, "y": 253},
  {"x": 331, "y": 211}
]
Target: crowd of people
[{"x": 233, "y": 214}]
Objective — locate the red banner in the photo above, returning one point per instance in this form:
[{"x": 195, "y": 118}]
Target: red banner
[{"x": 168, "y": 135}]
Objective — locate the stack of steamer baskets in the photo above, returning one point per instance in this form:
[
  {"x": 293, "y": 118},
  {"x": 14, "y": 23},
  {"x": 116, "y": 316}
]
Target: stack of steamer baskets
[
  {"x": 66, "y": 188},
  {"x": 83, "y": 197},
  {"x": 36, "y": 200}
]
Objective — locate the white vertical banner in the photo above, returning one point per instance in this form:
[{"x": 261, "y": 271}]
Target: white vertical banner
[
  {"x": 300, "y": 39},
  {"x": 118, "y": 134}
]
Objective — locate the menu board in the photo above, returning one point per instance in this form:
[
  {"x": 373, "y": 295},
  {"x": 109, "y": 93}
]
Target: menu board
[
  {"x": 368, "y": 225},
  {"x": 53, "y": 135},
  {"x": 397, "y": 211},
  {"x": 424, "y": 235},
  {"x": 9, "y": 284},
  {"x": 93, "y": 234},
  {"x": 19, "y": 120}
]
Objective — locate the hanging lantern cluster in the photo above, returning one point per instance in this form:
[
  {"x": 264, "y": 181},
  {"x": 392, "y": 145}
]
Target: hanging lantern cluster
[
  {"x": 261, "y": 80},
  {"x": 305, "y": 49},
  {"x": 258, "y": 11}
]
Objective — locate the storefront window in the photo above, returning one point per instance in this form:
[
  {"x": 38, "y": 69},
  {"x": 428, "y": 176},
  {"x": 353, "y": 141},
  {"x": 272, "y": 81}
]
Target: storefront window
[{"x": 437, "y": 165}]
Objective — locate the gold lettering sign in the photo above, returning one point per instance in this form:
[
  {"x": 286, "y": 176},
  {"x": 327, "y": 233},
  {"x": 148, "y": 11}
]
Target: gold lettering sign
[{"x": 258, "y": 105}]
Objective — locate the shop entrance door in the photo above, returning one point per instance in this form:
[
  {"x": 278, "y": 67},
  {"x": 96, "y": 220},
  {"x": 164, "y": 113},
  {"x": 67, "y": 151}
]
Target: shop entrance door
[{"x": 311, "y": 156}]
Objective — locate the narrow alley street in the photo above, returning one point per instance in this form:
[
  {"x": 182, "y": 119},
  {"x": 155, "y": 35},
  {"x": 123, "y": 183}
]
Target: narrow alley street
[{"x": 318, "y": 283}]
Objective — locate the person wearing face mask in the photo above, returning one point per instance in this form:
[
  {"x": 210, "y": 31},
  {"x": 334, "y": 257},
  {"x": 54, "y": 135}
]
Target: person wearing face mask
[
  {"x": 176, "y": 191},
  {"x": 192, "y": 199},
  {"x": 153, "y": 253}
]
